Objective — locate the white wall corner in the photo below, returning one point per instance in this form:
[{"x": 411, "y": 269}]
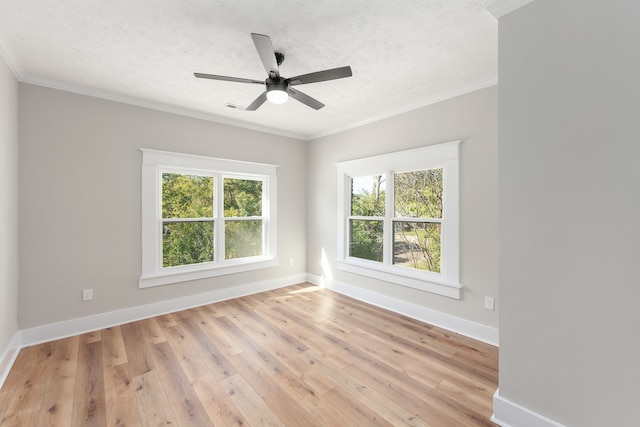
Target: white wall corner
[
  {"x": 9, "y": 356},
  {"x": 499, "y": 8},
  {"x": 468, "y": 328},
  {"x": 509, "y": 414},
  {"x": 7, "y": 54}
]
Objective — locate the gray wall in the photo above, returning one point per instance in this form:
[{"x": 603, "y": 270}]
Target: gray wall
[
  {"x": 471, "y": 118},
  {"x": 80, "y": 178},
  {"x": 8, "y": 206},
  {"x": 569, "y": 173}
]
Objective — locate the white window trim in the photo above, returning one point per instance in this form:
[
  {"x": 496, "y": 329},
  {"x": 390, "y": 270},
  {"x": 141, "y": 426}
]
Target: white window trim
[
  {"x": 444, "y": 155},
  {"x": 153, "y": 163}
]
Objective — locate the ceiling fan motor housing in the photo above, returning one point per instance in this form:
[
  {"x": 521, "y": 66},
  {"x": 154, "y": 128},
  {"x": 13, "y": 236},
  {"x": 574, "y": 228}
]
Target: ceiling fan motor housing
[
  {"x": 276, "y": 84},
  {"x": 277, "y": 90}
]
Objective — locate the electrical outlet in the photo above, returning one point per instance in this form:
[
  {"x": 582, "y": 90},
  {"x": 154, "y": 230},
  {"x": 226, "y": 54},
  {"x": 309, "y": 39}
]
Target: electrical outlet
[
  {"x": 489, "y": 303},
  {"x": 87, "y": 294},
  {"x": 290, "y": 261}
]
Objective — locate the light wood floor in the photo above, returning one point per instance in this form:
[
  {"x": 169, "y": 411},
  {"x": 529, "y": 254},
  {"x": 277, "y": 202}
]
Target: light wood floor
[{"x": 297, "y": 356}]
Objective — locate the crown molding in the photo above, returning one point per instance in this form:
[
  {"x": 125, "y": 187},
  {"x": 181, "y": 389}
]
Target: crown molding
[
  {"x": 152, "y": 105},
  {"x": 406, "y": 109},
  {"x": 502, "y": 7}
]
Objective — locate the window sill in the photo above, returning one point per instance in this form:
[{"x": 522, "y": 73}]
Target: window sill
[
  {"x": 181, "y": 274},
  {"x": 404, "y": 277}
]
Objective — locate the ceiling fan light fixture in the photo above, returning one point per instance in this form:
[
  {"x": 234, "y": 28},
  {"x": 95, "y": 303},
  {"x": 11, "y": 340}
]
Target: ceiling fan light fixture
[
  {"x": 277, "y": 92},
  {"x": 277, "y": 96},
  {"x": 277, "y": 87}
]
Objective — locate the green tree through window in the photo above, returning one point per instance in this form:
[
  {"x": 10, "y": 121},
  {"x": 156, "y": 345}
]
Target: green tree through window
[
  {"x": 418, "y": 195},
  {"x": 416, "y": 219},
  {"x": 243, "y": 222},
  {"x": 205, "y": 217},
  {"x": 399, "y": 218},
  {"x": 366, "y": 225},
  {"x": 187, "y": 219}
]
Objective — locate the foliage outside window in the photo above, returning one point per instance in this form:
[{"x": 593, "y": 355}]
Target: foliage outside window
[
  {"x": 243, "y": 218},
  {"x": 205, "y": 217},
  {"x": 417, "y": 227},
  {"x": 400, "y": 218},
  {"x": 187, "y": 219}
]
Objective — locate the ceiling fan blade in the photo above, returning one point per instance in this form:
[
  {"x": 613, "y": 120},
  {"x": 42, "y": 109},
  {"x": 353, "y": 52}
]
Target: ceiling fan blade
[
  {"x": 305, "y": 99},
  {"x": 226, "y": 78},
  {"x": 321, "y": 76},
  {"x": 267, "y": 54},
  {"x": 258, "y": 102}
]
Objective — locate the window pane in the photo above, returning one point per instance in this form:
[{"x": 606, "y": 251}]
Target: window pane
[
  {"x": 417, "y": 245},
  {"x": 242, "y": 197},
  {"x": 242, "y": 239},
  {"x": 418, "y": 194},
  {"x": 365, "y": 240},
  {"x": 367, "y": 195},
  {"x": 187, "y": 196},
  {"x": 187, "y": 243}
]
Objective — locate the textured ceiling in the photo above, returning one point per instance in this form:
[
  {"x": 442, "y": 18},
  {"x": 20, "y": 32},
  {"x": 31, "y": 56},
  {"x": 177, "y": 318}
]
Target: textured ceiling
[{"x": 404, "y": 54}]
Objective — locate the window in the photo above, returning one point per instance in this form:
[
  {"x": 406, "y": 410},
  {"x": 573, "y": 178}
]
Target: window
[
  {"x": 398, "y": 218},
  {"x": 204, "y": 217}
]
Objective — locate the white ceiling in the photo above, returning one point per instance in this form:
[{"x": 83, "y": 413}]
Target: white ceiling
[{"x": 404, "y": 54}]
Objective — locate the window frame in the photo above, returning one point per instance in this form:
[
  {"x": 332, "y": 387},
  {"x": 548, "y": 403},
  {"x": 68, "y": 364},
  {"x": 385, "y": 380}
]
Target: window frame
[
  {"x": 445, "y": 156},
  {"x": 154, "y": 164}
]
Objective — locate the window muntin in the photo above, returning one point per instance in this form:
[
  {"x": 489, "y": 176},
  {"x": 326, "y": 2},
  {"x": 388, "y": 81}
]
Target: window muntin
[
  {"x": 204, "y": 217},
  {"x": 399, "y": 218}
]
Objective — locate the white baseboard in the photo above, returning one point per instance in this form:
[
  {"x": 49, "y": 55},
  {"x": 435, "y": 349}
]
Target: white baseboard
[
  {"x": 9, "y": 356},
  {"x": 464, "y": 327},
  {"x": 509, "y": 414},
  {"x": 53, "y": 331}
]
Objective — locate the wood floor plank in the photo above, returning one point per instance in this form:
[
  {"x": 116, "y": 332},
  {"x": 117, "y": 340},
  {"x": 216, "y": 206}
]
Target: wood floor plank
[
  {"x": 387, "y": 408},
  {"x": 139, "y": 357},
  {"x": 249, "y": 403},
  {"x": 25, "y": 403},
  {"x": 183, "y": 400},
  {"x": 153, "y": 404},
  {"x": 295, "y": 356},
  {"x": 121, "y": 402},
  {"x": 58, "y": 400},
  {"x": 89, "y": 399},
  {"x": 113, "y": 349},
  {"x": 189, "y": 358},
  {"x": 407, "y": 392},
  {"x": 207, "y": 323},
  {"x": 218, "y": 404},
  {"x": 212, "y": 356},
  {"x": 265, "y": 384},
  {"x": 355, "y": 413},
  {"x": 215, "y": 401},
  {"x": 151, "y": 331}
]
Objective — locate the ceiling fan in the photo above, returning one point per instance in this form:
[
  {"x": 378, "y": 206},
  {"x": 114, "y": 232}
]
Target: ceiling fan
[{"x": 278, "y": 88}]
